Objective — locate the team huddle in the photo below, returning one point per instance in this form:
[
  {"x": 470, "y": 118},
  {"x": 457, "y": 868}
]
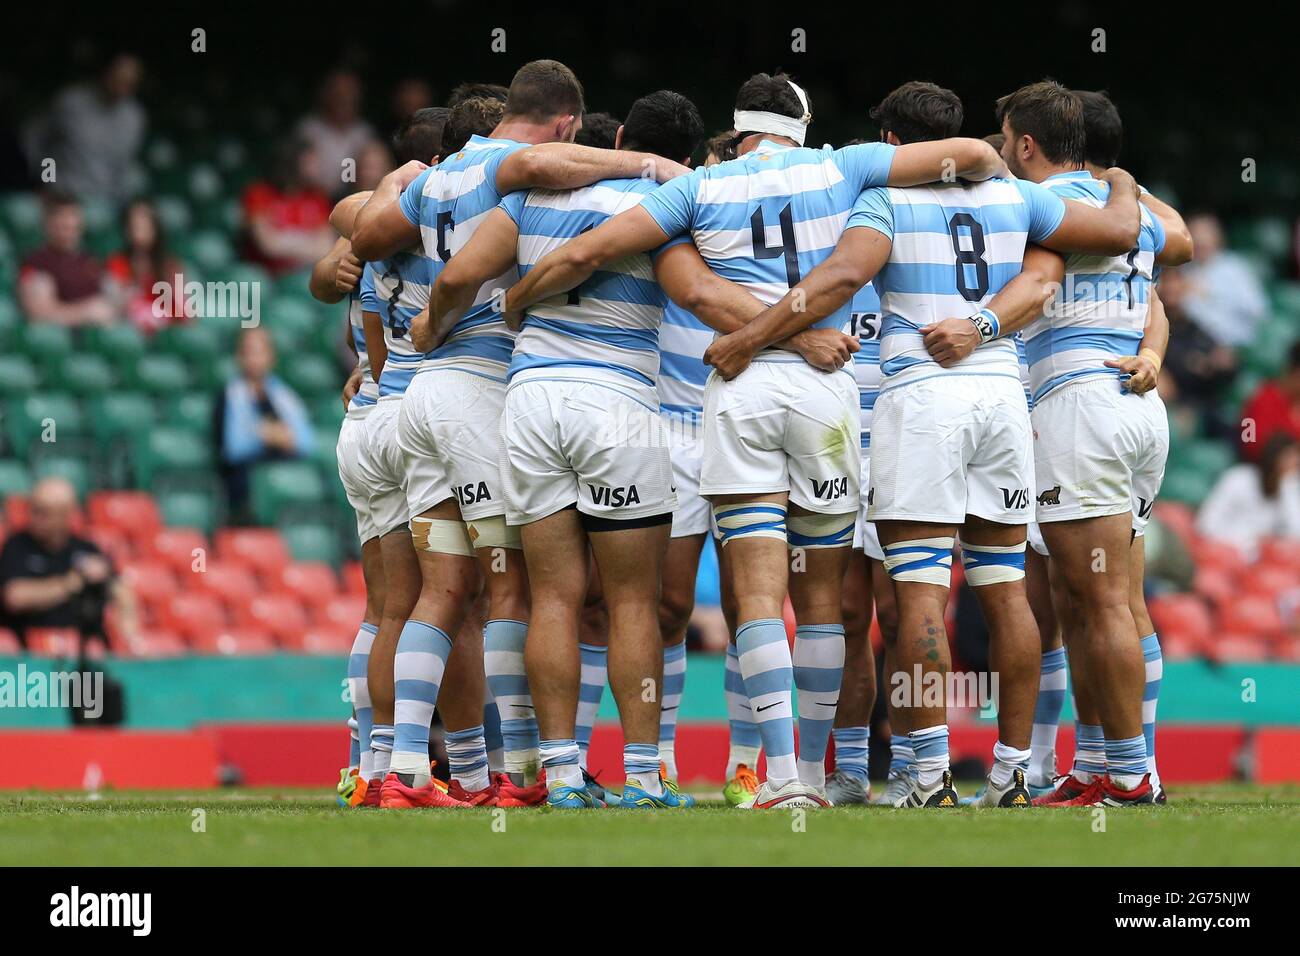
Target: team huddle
[{"x": 577, "y": 364}]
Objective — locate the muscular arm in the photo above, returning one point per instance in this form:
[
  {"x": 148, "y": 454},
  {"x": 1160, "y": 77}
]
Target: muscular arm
[
  {"x": 1143, "y": 369},
  {"x": 489, "y": 252},
  {"x": 380, "y": 228},
  {"x": 721, "y": 305},
  {"x": 568, "y": 166},
  {"x": 944, "y": 160},
  {"x": 344, "y": 215},
  {"x": 573, "y": 263},
  {"x": 1109, "y": 231},
  {"x": 322, "y": 284},
  {"x": 1178, "y": 239},
  {"x": 33, "y": 595}
]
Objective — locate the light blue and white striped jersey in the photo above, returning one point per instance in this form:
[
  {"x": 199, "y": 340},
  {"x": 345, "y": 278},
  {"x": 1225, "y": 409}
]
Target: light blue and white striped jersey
[
  {"x": 1101, "y": 310},
  {"x": 864, "y": 323},
  {"x": 766, "y": 219},
  {"x": 607, "y": 328},
  {"x": 683, "y": 340},
  {"x": 1023, "y": 360},
  {"x": 368, "y": 393},
  {"x": 397, "y": 290},
  {"x": 954, "y": 246},
  {"x": 447, "y": 202}
]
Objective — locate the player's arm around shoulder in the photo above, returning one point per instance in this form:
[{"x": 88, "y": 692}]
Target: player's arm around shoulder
[
  {"x": 387, "y": 222},
  {"x": 945, "y": 160},
  {"x": 1112, "y": 230},
  {"x": 1178, "y": 248},
  {"x": 569, "y": 166}
]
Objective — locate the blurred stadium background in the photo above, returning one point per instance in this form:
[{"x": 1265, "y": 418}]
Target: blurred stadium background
[{"x": 235, "y": 672}]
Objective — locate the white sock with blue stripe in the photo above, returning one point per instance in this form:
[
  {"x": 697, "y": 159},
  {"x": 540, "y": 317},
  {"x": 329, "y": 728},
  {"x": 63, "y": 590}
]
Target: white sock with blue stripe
[
  {"x": 467, "y": 758},
  {"x": 902, "y": 759},
  {"x": 595, "y": 672},
  {"x": 560, "y": 758},
  {"x": 1126, "y": 761},
  {"x": 641, "y": 764},
  {"x": 359, "y": 691},
  {"x": 674, "y": 685},
  {"x": 745, "y": 742},
  {"x": 931, "y": 748},
  {"x": 1089, "y": 752},
  {"x": 818, "y": 670},
  {"x": 496, "y": 747},
  {"x": 354, "y": 745},
  {"x": 852, "y": 749},
  {"x": 1047, "y": 718},
  {"x": 503, "y": 661},
  {"x": 418, "y": 666},
  {"x": 1155, "y": 664},
  {"x": 768, "y": 673},
  {"x": 381, "y": 750}
]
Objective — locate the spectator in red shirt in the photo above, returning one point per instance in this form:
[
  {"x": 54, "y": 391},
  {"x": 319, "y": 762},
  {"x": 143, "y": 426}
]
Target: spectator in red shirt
[
  {"x": 59, "y": 282},
  {"x": 142, "y": 263},
  {"x": 288, "y": 216},
  {"x": 1275, "y": 407}
]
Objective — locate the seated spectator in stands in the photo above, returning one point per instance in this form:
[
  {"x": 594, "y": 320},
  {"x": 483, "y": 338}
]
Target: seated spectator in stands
[
  {"x": 143, "y": 262},
  {"x": 409, "y": 95},
  {"x": 258, "y": 419},
  {"x": 287, "y": 215},
  {"x": 599, "y": 130},
  {"x": 336, "y": 131},
  {"x": 373, "y": 165},
  {"x": 1251, "y": 502},
  {"x": 49, "y": 577},
  {"x": 94, "y": 132},
  {"x": 60, "y": 283},
  {"x": 1224, "y": 296},
  {"x": 1273, "y": 409},
  {"x": 1197, "y": 371}
]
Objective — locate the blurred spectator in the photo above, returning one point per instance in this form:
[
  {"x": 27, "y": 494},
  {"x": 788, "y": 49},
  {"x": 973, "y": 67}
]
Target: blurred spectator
[
  {"x": 49, "y": 577},
  {"x": 1224, "y": 296},
  {"x": 288, "y": 215},
  {"x": 144, "y": 261},
  {"x": 336, "y": 130},
  {"x": 598, "y": 129},
  {"x": 1274, "y": 408},
  {"x": 409, "y": 95},
  {"x": 470, "y": 91},
  {"x": 59, "y": 282},
  {"x": 258, "y": 418},
  {"x": 1199, "y": 370},
  {"x": 94, "y": 132},
  {"x": 373, "y": 165},
  {"x": 1251, "y": 502}
]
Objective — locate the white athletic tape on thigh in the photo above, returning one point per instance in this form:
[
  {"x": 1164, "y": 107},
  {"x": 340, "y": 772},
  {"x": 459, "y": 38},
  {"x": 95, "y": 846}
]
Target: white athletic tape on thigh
[
  {"x": 440, "y": 536},
  {"x": 821, "y": 531},
  {"x": 923, "y": 560},
  {"x": 750, "y": 519},
  {"x": 493, "y": 532},
  {"x": 993, "y": 564}
]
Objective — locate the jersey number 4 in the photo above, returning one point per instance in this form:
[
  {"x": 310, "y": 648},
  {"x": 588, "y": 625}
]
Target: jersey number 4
[
  {"x": 964, "y": 224},
  {"x": 758, "y": 232}
]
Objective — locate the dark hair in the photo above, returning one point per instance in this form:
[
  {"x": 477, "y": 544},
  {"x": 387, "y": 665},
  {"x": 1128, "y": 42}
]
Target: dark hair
[
  {"x": 55, "y": 199},
  {"x": 470, "y": 91},
  {"x": 1103, "y": 129},
  {"x": 598, "y": 129},
  {"x": 477, "y": 116},
  {"x": 664, "y": 123},
  {"x": 996, "y": 140},
  {"x": 721, "y": 145},
  {"x": 917, "y": 112},
  {"x": 1052, "y": 115},
  {"x": 1270, "y": 455},
  {"x": 157, "y": 253},
  {"x": 544, "y": 89},
  {"x": 420, "y": 135},
  {"x": 769, "y": 93},
  {"x": 1293, "y": 357}
]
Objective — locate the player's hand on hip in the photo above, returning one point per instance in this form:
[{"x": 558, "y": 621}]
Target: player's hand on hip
[
  {"x": 826, "y": 350},
  {"x": 1141, "y": 373},
  {"x": 729, "y": 355},
  {"x": 951, "y": 340}
]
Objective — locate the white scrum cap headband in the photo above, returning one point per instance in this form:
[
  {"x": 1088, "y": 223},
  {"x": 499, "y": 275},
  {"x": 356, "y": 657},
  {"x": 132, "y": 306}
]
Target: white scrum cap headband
[{"x": 760, "y": 121}]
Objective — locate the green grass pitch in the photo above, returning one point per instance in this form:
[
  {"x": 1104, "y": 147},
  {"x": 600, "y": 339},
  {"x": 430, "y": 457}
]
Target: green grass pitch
[{"x": 1224, "y": 825}]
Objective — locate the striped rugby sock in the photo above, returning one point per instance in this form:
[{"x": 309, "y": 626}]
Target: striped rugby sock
[
  {"x": 595, "y": 670},
  {"x": 768, "y": 673},
  {"x": 1047, "y": 718},
  {"x": 674, "y": 685},
  {"x": 744, "y": 743},
  {"x": 418, "y": 666},
  {"x": 818, "y": 670}
]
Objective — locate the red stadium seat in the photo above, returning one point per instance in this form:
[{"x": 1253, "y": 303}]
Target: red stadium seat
[
  {"x": 279, "y": 615},
  {"x": 9, "y": 642},
  {"x": 1179, "y": 518},
  {"x": 309, "y": 581},
  {"x": 177, "y": 546},
  {"x": 113, "y": 543},
  {"x": 151, "y": 580},
  {"x": 261, "y": 549},
  {"x": 354, "y": 580},
  {"x": 236, "y": 641},
  {"x": 194, "y": 616},
  {"x": 1287, "y": 649},
  {"x": 1179, "y": 647},
  {"x": 1252, "y": 615},
  {"x": 1281, "y": 552},
  {"x": 322, "y": 640},
  {"x": 152, "y": 644},
  {"x": 1184, "y": 616},
  {"x": 1230, "y": 646},
  {"x": 53, "y": 641},
  {"x": 1271, "y": 581},
  {"x": 130, "y": 513},
  {"x": 1216, "y": 584},
  {"x": 228, "y": 580},
  {"x": 1209, "y": 553},
  {"x": 341, "y": 612}
]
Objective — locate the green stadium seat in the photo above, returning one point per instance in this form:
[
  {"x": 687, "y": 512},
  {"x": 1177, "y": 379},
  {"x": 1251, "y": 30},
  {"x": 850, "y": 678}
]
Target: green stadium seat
[
  {"x": 122, "y": 413},
  {"x": 198, "y": 344},
  {"x": 43, "y": 343},
  {"x": 10, "y": 317},
  {"x": 15, "y": 478},
  {"x": 170, "y": 449},
  {"x": 281, "y": 485},
  {"x": 120, "y": 343},
  {"x": 19, "y": 376},
  {"x": 211, "y": 251},
  {"x": 192, "y": 411},
  {"x": 173, "y": 213},
  {"x": 76, "y": 470},
  {"x": 160, "y": 374},
  {"x": 1208, "y": 457},
  {"x": 204, "y": 183},
  {"x": 1186, "y": 485},
  {"x": 309, "y": 374},
  {"x": 188, "y": 509},
  {"x": 21, "y": 213},
  {"x": 313, "y": 542},
  {"x": 48, "y": 418},
  {"x": 85, "y": 374}
]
